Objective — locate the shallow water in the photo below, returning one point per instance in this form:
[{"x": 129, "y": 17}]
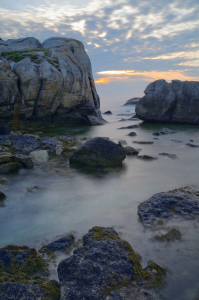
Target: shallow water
[{"x": 76, "y": 199}]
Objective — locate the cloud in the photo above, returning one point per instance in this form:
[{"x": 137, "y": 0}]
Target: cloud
[
  {"x": 115, "y": 32},
  {"x": 144, "y": 75}
]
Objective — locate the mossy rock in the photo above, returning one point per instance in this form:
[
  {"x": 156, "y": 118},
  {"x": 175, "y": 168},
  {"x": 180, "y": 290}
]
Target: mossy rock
[{"x": 171, "y": 235}]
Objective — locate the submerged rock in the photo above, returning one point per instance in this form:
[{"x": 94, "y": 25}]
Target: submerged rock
[
  {"x": 143, "y": 142},
  {"x": 105, "y": 268},
  {"x": 129, "y": 127},
  {"x": 54, "y": 79},
  {"x": 177, "y": 101},
  {"x": 181, "y": 203},
  {"x": 132, "y": 101},
  {"x": 192, "y": 145},
  {"x": 173, "y": 156},
  {"x": 108, "y": 112},
  {"x": 147, "y": 157},
  {"x": 130, "y": 150},
  {"x": 99, "y": 152},
  {"x": 132, "y": 133},
  {"x": 170, "y": 236},
  {"x": 164, "y": 131}
]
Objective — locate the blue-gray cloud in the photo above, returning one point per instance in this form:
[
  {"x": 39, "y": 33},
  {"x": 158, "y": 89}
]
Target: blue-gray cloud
[{"x": 118, "y": 34}]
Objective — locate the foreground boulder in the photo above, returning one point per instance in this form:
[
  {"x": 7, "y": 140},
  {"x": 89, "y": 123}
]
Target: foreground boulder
[
  {"x": 99, "y": 152},
  {"x": 181, "y": 203},
  {"x": 23, "y": 275},
  {"x": 49, "y": 81},
  {"x": 106, "y": 266},
  {"x": 177, "y": 102}
]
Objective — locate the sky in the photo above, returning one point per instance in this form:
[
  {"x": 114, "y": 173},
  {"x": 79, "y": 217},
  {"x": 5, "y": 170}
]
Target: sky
[{"x": 130, "y": 42}]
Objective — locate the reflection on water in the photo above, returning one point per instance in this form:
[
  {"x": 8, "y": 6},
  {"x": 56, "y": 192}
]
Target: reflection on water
[{"x": 68, "y": 198}]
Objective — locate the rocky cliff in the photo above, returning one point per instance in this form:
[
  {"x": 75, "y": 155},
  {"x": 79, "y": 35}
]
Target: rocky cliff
[
  {"x": 46, "y": 81},
  {"x": 176, "y": 102}
]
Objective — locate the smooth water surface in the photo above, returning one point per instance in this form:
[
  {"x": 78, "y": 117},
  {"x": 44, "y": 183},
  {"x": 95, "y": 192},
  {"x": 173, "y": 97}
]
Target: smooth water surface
[{"x": 76, "y": 199}]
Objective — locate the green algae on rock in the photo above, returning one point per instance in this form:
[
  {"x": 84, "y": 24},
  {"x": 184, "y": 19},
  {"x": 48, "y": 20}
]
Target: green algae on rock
[{"x": 105, "y": 265}]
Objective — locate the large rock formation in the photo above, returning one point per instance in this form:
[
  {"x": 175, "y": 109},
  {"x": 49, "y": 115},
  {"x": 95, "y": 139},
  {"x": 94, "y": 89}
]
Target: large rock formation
[
  {"x": 177, "y": 102},
  {"x": 49, "y": 81}
]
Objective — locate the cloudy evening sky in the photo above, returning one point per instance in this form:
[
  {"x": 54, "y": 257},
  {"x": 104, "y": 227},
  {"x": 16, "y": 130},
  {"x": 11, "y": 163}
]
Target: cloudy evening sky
[{"x": 130, "y": 42}]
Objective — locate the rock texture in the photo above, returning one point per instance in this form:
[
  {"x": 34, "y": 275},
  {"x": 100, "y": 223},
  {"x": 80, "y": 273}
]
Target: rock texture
[
  {"x": 180, "y": 203},
  {"x": 99, "y": 152},
  {"x": 62, "y": 244},
  {"x": 176, "y": 102},
  {"x": 104, "y": 268},
  {"x": 49, "y": 81}
]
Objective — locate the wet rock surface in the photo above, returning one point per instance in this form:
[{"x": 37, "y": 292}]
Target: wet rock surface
[
  {"x": 177, "y": 102},
  {"x": 147, "y": 157},
  {"x": 181, "y": 203},
  {"x": 99, "y": 152},
  {"x": 105, "y": 268}
]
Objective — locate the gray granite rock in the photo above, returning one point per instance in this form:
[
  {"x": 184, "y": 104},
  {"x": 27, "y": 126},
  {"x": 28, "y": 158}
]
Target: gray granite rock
[
  {"x": 177, "y": 102},
  {"x": 49, "y": 81}
]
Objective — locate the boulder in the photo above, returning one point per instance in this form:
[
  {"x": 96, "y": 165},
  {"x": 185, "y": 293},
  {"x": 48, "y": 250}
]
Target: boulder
[
  {"x": 176, "y": 102},
  {"x": 25, "y": 160},
  {"x": 132, "y": 101},
  {"x": 62, "y": 244},
  {"x": 23, "y": 143},
  {"x": 52, "y": 81},
  {"x": 104, "y": 268},
  {"x": 39, "y": 156},
  {"x": 99, "y": 152},
  {"x": 181, "y": 203},
  {"x": 9, "y": 167}
]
